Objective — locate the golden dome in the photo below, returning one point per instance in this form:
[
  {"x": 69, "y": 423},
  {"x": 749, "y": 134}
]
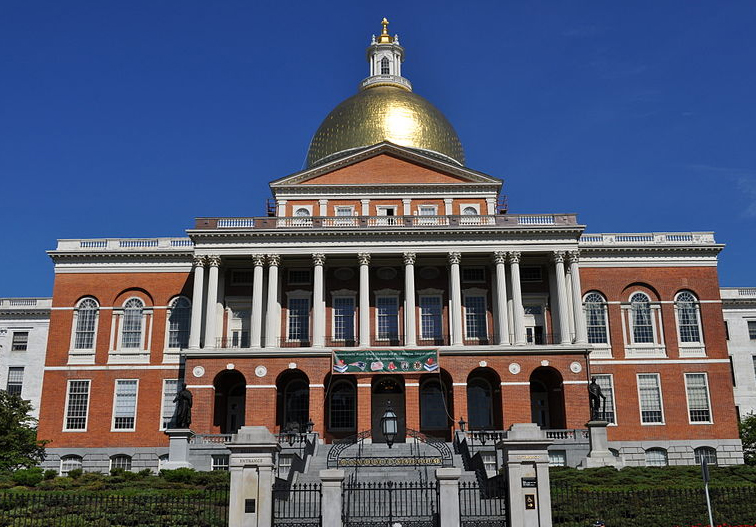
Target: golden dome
[{"x": 384, "y": 113}]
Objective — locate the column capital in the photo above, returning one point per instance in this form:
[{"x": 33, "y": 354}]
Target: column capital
[
  {"x": 363, "y": 258},
  {"x": 557, "y": 257},
  {"x": 409, "y": 258},
  {"x": 199, "y": 261},
  {"x": 318, "y": 259},
  {"x": 514, "y": 257},
  {"x": 455, "y": 257},
  {"x": 274, "y": 259},
  {"x": 573, "y": 256},
  {"x": 213, "y": 260},
  {"x": 258, "y": 259},
  {"x": 500, "y": 257}
]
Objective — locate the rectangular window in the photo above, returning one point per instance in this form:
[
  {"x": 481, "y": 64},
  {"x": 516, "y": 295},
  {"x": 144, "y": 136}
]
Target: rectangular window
[
  {"x": 132, "y": 329},
  {"x": 170, "y": 388},
  {"x": 15, "y": 380},
  {"x": 751, "y": 329},
  {"x": 557, "y": 458},
  {"x": 124, "y": 405},
  {"x": 85, "y": 329},
  {"x": 299, "y": 276},
  {"x": 20, "y": 340},
  {"x": 430, "y": 317},
  {"x": 427, "y": 210},
  {"x": 220, "y": 462},
  {"x": 299, "y": 319},
  {"x": 697, "y": 389},
  {"x": 475, "y": 317},
  {"x": 77, "y": 405},
  {"x": 474, "y": 274},
  {"x": 388, "y": 317},
  {"x": 607, "y": 388},
  {"x": 344, "y": 211},
  {"x": 649, "y": 393},
  {"x": 530, "y": 274},
  {"x": 343, "y": 318}
]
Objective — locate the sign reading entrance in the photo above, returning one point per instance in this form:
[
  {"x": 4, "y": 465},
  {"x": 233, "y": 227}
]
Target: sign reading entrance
[{"x": 385, "y": 361}]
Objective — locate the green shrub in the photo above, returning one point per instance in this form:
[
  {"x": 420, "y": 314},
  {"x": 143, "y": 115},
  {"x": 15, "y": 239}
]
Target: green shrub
[
  {"x": 50, "y": 474},
  {"x": 180, "y": 475},
  {"x": 28, "y": 477},
  {"x": 75, "y": 473}
]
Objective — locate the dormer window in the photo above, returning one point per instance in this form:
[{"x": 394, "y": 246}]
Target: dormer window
[{"x": 385, "y": 66}]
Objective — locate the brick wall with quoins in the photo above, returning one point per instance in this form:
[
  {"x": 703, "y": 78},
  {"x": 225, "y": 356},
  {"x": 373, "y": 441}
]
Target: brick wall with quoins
[{"x": 662, "y": 284}]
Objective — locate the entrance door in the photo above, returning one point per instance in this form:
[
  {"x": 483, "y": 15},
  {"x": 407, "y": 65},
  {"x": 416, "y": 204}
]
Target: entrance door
[
  {"x": 234, "y": 413},
  {"x": 534, "y": 323},
  {"x": 385, "y": 390},
  {"x": 539, "y": 404}
]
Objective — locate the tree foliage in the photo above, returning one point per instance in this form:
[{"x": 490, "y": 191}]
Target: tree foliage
[
  {"x": 748, "y": 437},
  {"x": 19, "y": 446}
]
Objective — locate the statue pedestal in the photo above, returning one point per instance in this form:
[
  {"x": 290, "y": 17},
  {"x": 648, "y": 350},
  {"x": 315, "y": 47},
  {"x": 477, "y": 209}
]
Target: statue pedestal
[
  {"x": 178, "y": 448},
  {"x": 599, "y": 455}
]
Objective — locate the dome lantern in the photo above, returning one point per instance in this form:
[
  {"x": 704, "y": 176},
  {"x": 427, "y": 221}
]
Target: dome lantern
[{"x": 385, "y": 56}]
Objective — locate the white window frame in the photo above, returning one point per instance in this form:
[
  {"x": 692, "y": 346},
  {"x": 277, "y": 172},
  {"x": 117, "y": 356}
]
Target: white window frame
[
  {"x": 25, "y": 344},
  {"x": 131, "y": 461},
  {"x": 115, "y": 400},
  {"x": 296, "y": 208},
  {"x": 86, "y": 411},
  {"x": 133, "y": 355},
  {"x": 68, "y": 458},
  {"x": 690, "y": 349},
  {"x": 163, "y": 393},
  {"x": 656, "y": 449},
  {"x": 640, "y": 400},
  {"x": 351, "y": 295},
  {"x": 475, "y": 293},
  {"x": 168, "y": 312},
  {"x": 219, "y": 462},
  {"x": 435, "y": 294},
  {"x": 470, "y": 219},
  {"x": 654, "y": 349},
  {"x": 348, "y": 209},
  {"x": 15, "y": 382},
  {"x": 388, "y": 293},
  {"x": 614, "y": 395},
  {"x": 299, "y": 295},
  {"x": 83, "y": 355},
  {"x": 600, "y": 349},
  {"x": 708, "y": 398}
]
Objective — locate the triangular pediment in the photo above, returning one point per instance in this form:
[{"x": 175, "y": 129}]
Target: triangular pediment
[{"x": 386, "y": 164}]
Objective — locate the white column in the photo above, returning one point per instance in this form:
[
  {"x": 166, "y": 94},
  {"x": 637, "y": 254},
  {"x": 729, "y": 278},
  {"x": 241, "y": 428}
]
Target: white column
[
  {"x": 323, "y": 209},
  {"x": 211, "y": 312},
  {"x": 564, "y": 320},
  {"x": 365, "y": 207},
  {"x": 410, "y": 329},
  {"x": 456, "y": 299},
  {"x": 502, "y": 322},
  {"x": 448, "y": 206},
  {"x": 272, "y": 323},
  {"x": 318, "y": 307},
  {"x": 491, "y": 206},
  {"x": 364, "y": 259},
  {"x": 256, "y": 321},
  {"x": 518, "y": 313},
  {"x": 581, "y": 332},
  {"x": 199, "y": 283},
  {"x": 281, "y": 207},
  {"x": 407, "y": 209},
  {"x": 570, "y": 314}
]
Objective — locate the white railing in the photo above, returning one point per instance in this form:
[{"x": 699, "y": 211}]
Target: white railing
[
  {"x": 125, "y": 243},
  {"x": 236, "y": 222},
  {"x": 210, "y": 439},
  {"x": 25, "y": 302},
  {"x": 531, "y": 219},
  {"x": 572, "y": 435},
  {"x": 747, "y": 291},
  {"x": 649, "y": 238}
]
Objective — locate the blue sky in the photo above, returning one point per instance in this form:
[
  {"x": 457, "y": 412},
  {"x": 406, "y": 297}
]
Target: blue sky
[{"x": 132, "y": 118}]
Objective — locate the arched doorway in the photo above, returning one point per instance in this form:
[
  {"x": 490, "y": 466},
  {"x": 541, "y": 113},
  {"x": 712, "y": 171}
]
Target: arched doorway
[
  {"x": 387, "y": 389},
  {"x": 484, "y": 400},
  {"x": 293, "y": 408},
  {"x": 230, "y": 401},
  {"x": 435, "y": 405},
  {"x": 341, "y": 405},
  {"x": 547, "y": 398}
]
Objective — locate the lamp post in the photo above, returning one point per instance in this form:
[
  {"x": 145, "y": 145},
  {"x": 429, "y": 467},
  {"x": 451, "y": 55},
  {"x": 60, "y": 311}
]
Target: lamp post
[
  {"x": 462, "y": 423},
  {"x": 389, "y": 424},
  {"x": 310, "y": 426}
]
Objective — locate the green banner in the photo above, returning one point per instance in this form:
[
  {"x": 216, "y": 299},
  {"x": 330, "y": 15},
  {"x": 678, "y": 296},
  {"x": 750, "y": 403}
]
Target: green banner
[{"x": 385, "y": 361}]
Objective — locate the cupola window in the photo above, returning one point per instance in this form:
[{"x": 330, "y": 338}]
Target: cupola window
[{"x": 385, "y": 66}]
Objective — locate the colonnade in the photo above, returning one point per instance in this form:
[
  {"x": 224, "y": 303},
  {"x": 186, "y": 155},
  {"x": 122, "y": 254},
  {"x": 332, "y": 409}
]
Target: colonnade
[{"x": 568, "y": 299}]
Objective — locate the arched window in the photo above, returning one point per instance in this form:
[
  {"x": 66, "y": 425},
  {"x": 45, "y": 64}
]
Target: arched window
[
  {"x": 432, "y": 406},
  {"x": 656, "y": 457},
  {"x": 131, "y": 334},
  {"x": 595, "y": 318},
  {"x": 707, "y": 453},
  {"x": 69, "y": 463},
  {"x": 385, "y": 66},
  {"x": 479, "y": 404},
  {"x": 302, "y": 212},
  {"x": 342, "y": 408},
  {"x": 86, "y": 324},
  {"x": 469, "y": 211},
  {"x": 687, "y": 317},
  {"x": 297, "y": 405},
  {"x": 179, "y": 320},
  {"x": 643, "y": 325},
  {"x": 121, "y": 461}
]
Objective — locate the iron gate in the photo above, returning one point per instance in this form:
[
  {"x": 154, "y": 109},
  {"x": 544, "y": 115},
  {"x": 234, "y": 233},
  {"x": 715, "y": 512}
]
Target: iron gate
[
  {"x": 373, "y": 504},
  {"x": 297, "y": 505},
  {"x": 483, "y": 505}
]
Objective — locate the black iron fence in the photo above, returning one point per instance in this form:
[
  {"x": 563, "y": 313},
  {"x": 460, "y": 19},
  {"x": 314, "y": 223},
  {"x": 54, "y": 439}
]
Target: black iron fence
[
  {"x": 484, "y": 505},
  {"x": 297, "y": 505},
  {"x": 372, "y": 504},
  {"x": 208, "y": 509},
  {"x": 575, "y": 507}
]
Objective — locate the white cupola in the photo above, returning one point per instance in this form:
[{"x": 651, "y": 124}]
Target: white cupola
[{"x": 385, "y": 56}]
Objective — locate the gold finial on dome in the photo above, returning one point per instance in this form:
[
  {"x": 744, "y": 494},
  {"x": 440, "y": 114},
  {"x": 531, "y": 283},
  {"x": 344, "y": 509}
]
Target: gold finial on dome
[{"x": 385, "y": 38}]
